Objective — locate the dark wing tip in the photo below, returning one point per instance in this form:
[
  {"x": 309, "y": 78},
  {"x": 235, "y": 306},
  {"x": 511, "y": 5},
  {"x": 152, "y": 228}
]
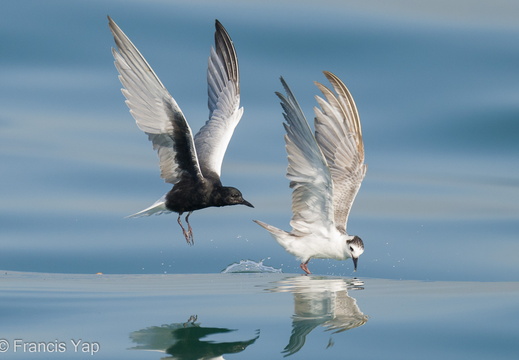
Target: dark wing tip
[
  {"x": 329, "y": 74},
  {"x": 286, "y": 88},
  {"x": 227, "y": 53},
  {"x": 111, "y": 22}
]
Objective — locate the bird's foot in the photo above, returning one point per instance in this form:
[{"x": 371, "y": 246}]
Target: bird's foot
[
  {"x": 191, "y": 240},
  {"x": 304, "y": 266},
  {"x": 191, "y": 320},
  {"x": 187, "y": 234}
]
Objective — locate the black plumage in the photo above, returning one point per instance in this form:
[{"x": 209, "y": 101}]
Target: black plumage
[{"x": 191, "y": 164}]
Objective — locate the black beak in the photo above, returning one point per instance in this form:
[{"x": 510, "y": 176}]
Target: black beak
[
  {"x": 355, "y": 259},
  {"x": 245, "y": 202}
]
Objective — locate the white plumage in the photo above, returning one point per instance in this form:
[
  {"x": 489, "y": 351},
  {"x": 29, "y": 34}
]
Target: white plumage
[{"x": 325, "y": 172}]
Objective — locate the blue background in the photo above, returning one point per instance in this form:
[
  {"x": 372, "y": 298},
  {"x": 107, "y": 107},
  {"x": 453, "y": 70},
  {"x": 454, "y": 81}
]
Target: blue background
[{"x": 436, "y": 86}]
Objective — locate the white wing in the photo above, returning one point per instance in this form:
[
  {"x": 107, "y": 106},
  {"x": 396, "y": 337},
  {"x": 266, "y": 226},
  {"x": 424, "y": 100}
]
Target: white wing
[
  {"x": 310, "y": 179},
  {"x": 224, "y": 100},
  {"x": 155, "y": 111},
  {"x": 339, "y": 135}
]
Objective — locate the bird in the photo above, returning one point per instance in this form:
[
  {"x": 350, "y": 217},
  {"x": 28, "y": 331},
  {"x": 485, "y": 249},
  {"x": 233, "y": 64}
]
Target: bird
[
  {"x": 192, "y": 164},
  {"x": 325, "y": 172},
  {"x": 320, "y": 301}
]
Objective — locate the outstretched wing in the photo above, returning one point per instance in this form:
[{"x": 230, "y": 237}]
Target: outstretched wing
[
  {"x": 155, "y": 111},
  {"x": 310, "y": 179},
  {"x": 223, "y": 80},
  {"x": 339, "y": 135}
]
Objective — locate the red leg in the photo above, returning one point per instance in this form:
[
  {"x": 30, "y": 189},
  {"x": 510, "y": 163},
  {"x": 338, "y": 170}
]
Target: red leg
[
  {"x": 186, "y": 235},
  {"x": 191, "y": 240},
  {"x": 304, "y": 266}
]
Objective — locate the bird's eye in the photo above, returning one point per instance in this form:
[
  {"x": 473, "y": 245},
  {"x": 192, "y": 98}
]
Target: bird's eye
[{"x": 351, "y": 249}]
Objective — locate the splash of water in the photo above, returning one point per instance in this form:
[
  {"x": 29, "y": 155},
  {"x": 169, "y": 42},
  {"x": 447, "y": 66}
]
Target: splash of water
[{"x": 249, "y": 266}]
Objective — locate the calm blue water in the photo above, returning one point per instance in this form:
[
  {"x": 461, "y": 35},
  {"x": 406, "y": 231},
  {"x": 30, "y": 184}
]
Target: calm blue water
[
  {"x": 437, "y": 87},
  {"x": 254, "y": 316}
]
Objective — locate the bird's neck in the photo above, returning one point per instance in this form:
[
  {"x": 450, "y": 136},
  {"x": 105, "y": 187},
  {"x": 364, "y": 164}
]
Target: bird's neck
[{"x": 218, "y": 195}]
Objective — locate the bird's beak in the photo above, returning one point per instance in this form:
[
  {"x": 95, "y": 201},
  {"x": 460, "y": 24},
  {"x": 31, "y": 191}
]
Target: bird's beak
[
  {"x": 355, "y": 259},
  {"x": 245, "y": 202}
]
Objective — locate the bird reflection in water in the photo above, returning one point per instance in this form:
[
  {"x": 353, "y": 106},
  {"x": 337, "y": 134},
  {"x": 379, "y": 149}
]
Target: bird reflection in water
[
  {"x": 320, "y": 301},
  {"x": 183, "y": 341}
]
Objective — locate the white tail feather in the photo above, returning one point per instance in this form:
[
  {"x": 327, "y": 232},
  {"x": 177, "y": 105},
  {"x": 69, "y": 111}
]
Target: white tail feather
[
  {"x": 277, "y": 233},
  {"x": 159, "y": 207}
]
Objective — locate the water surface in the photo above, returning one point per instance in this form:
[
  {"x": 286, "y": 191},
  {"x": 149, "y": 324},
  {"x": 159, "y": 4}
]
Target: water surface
[{"x": 257, "y": 316}]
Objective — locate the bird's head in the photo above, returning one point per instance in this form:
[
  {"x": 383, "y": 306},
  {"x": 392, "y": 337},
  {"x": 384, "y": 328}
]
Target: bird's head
[
  {"x": 233, "y": 196},
  {"x": 355, "y": 247}
]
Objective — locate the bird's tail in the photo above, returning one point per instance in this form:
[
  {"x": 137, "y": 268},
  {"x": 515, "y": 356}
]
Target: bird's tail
[
  {"x": 158, "y": 207},
  {"x": 276, "y": 233}
]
